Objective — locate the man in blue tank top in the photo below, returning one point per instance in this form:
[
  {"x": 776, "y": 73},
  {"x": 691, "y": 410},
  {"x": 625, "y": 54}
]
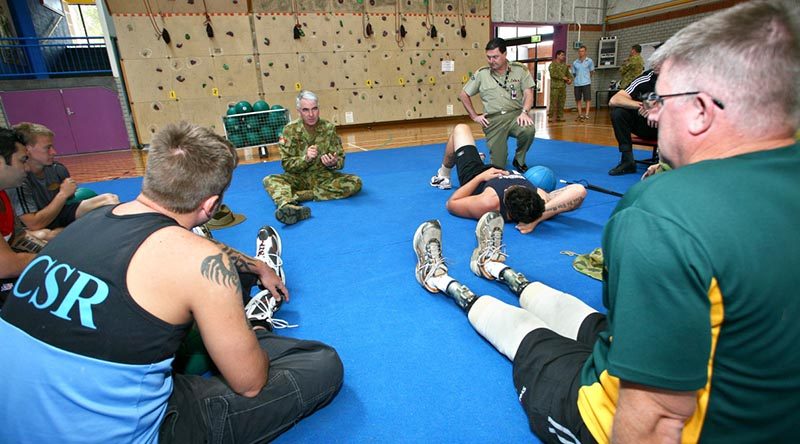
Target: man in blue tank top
[
  {"x": 485, "y": 188},
  {"x": 101, "y": 311}
]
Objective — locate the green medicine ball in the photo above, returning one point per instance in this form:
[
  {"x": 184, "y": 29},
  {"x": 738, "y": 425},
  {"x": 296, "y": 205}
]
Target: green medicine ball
[
  {"x": 260, "y": 106},
  {"x": 81, "y": 194},
  {"x": 244, "y": 107},
  {"x": 237, "y": 139}
]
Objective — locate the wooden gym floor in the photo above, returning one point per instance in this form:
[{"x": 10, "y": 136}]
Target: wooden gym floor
[{"x": 117, "y": 164}]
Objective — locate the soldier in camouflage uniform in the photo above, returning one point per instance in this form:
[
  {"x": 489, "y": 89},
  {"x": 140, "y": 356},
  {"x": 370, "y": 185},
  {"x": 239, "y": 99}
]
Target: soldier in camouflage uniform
[
  {"x": 506, "y": 90},
  {"x": 632, "y": 67},
  {"x": 560, "y": 77},
  {"x": 311, "y": 152}
]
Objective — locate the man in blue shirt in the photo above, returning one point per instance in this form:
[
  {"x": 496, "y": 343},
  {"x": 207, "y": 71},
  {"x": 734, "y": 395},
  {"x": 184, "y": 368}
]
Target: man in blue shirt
[{"x": 582, "y": 69}]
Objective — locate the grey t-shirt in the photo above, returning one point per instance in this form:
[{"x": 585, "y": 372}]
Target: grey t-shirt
[{"x": 35, "y": 193}]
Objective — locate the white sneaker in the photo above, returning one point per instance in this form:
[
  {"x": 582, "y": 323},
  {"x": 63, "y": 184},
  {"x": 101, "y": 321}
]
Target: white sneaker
[
  {"x": 268, "y": 250},
  {"x": 441, "y": 182},
  {"x": 202, "y": 230},
  {"x": 428, "y": 247},
  {"x": 261, "y": 309},
  {"x": 490, "y": 244}
]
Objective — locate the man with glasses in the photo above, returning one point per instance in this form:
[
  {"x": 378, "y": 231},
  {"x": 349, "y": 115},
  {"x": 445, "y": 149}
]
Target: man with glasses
[
  {"x": 700, "y": 276},
  {"x": 629, "y": 116},
  {"x": 311, "y": 155}
]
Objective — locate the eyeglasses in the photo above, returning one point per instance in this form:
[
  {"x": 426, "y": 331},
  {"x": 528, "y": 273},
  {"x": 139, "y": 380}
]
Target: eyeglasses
[{"x": 654, "y": 100}]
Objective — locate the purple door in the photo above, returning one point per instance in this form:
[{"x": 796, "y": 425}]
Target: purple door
[
  {"x": 42, "y": 106},
  {"x": 96, "y": 119},
  {"x": 84, "y": 120}
]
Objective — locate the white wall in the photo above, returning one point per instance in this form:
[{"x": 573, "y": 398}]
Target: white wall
[{"x": 548, "y": 11}]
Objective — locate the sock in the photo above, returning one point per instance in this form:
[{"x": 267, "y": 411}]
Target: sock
[
  {"x": 503, "y": 325},
  {"x": 441, "y": 282},
  {"x": 561, "y": 312},
  {"x": 444, "y": 171},
  {"x": 495, "y": 268}
]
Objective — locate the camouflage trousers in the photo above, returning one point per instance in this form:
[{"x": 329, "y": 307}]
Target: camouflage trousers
[
  {"x": 558, "y": 97},
  {"x": 328, "y": 185},
  {"x": 501, "y": 127}
]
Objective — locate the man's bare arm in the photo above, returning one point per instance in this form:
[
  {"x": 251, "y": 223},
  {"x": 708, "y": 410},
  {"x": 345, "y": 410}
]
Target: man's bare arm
[
  {"x": 648, "y": 415},
  {"x": 11, "y": 262}
]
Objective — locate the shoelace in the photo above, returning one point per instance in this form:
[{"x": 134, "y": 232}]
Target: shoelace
[
  {"x": 494, "y": 248},
  {"x": 265, "y": 310},
  {"x": 433, "y": 259}
]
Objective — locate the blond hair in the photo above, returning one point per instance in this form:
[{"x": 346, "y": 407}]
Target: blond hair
[{"x": 30, "y": 131}]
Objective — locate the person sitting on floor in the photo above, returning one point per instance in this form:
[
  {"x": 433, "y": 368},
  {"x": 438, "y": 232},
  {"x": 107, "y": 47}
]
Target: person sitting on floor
[
  {"x": 311, "y": 154},
  {"x": 481, "y": 186},
  {"x": 108, "y": 302},
  {"x": 12, "y": 172},
  {"x": 41, "y": 201}
]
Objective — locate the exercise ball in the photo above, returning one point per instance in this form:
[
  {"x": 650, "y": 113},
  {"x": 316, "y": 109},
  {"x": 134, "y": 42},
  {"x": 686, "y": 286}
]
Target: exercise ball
[
  {"x": 81, "y": 194},
  {"x": 542, "y": 177},
  {"x": 237, "y": 139},
  {"x": 260, "y": 106},
  {"x": 244, "y": 107}
]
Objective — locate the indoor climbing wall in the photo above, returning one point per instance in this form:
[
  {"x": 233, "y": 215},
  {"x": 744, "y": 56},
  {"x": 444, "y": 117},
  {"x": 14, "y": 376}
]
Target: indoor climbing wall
[{"x": 368, "y": 60}]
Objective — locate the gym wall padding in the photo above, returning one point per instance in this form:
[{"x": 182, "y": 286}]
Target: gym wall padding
[{"x": 253, "y": 55}]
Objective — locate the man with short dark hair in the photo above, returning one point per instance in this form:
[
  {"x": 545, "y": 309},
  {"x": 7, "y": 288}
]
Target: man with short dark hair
[
  {"x": 484, "y": 188},
  {"x": 41, "y": 201},
  {"x": 631, "y": 67},
  {"x": 506, "y": 90},
  {"x": 699, "y": 343},
  {"x": 560, "y": 77},
  {"x": 12, "y": 172},
  {"x": 101, "y": 311}
]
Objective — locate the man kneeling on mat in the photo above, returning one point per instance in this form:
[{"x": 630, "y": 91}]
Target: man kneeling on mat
[
  {"x": 110, "y": 299},
  {"x": 483, "y": 185}
]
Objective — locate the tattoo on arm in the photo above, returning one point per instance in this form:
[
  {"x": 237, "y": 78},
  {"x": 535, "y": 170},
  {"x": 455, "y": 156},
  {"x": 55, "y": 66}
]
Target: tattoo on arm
[
  {"x": 569, "y": 205},
  {"x": 214, "y": 269},
  {"x": 241, "y": 261}
]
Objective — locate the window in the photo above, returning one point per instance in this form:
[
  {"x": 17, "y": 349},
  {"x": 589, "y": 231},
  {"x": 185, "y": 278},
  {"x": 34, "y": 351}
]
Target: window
[
  {"x": 83, "y": 18},
  {"x": 533, "y": 50}
]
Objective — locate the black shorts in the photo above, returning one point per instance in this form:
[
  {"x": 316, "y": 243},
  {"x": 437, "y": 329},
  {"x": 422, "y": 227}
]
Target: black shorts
[
  {"x": 66, "y": 216},
  {"x": 547, "y": 376},
  {"x": 584, "y": 92},
  {"x": 469, "y": 163}
]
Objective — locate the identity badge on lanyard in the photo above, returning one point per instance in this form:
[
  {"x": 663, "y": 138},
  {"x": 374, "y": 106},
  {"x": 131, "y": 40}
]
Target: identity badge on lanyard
[{"x": 506, "y": 85}]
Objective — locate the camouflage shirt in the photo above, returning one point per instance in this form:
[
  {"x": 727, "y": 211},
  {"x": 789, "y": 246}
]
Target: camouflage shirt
[
  {"x": 500, "y": 93},
  {"x": 295, "y": 141},
  {"x": 557, "y": 73},
  {"x": 630, "y": 70}
]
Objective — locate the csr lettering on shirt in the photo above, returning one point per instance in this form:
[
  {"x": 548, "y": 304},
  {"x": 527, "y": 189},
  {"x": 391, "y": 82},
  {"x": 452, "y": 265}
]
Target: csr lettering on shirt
[{"x": 64, "y": 288}]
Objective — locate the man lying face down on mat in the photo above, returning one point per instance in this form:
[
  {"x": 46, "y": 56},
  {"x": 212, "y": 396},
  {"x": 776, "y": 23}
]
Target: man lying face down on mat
[
  {"x": 485, "y": 188},
  {"x": 109, "y": 300}
]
